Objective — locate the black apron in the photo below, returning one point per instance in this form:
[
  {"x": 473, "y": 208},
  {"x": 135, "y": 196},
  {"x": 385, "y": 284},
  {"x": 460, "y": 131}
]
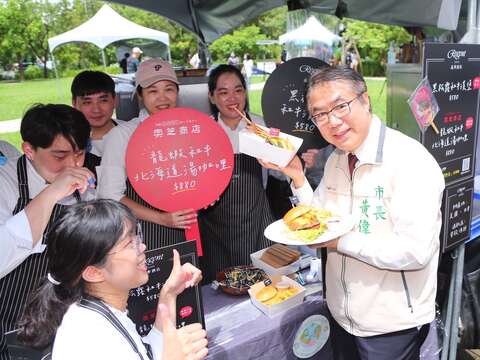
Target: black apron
[
  {"x": 155, "y": 235},
  {"x": 233, "y": 227},
  {"x": 92, "y": 161},
  {"x": 19, "y": 283}
]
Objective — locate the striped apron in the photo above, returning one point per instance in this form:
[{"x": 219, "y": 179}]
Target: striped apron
[
  {"x": 18, "y": 284},
  {"x": 233, "y": 227},
  {"x": 155, "y": 235}
]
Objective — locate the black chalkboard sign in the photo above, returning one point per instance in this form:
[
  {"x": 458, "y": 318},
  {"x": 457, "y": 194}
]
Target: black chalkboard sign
[
  {"x": 142, "y": 302},
  {"x": 453, "y": 72},
  {"x": 457, "y": 205},
  {"x": 284, "y": 104}
]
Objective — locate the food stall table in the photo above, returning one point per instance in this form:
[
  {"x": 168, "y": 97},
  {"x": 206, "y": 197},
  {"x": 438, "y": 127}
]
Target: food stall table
[{"x": 238, "y": 330}]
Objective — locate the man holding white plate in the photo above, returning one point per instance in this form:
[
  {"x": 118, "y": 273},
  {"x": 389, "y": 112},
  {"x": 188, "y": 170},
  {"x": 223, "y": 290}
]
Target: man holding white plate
[{"x": 381, "y": 276}]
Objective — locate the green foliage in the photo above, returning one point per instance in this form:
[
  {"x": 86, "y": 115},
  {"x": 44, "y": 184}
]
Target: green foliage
[
  {"x": 25, "y": 26},
  {"x": 241, "y": 41},
  {"x": 372, "y": 41},
  {"x": 33, "y": 72},
  {"x": 111, "y": 69}
]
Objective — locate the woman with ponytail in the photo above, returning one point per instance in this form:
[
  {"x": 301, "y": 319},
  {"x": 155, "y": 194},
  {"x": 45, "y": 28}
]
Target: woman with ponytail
[
  {"x": 96, "y": 255},
  {"x": 233, "y": 227}
]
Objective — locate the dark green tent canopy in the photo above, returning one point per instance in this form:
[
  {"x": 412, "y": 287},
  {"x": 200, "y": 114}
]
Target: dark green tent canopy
[{"x": 210, "y": 19}]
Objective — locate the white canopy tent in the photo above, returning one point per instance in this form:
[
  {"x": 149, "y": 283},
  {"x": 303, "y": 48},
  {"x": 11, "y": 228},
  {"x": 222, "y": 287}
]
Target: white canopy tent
[
  {"x": 106, "y": 27},
  {"x": 312, "y": 30}
]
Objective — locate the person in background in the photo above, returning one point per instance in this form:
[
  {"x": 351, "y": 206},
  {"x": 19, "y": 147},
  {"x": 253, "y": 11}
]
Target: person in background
[
  {"x": 7, "y": 151},
  {"x": 54, "y": 142},
  {"x": 381, "y": 276},
  {"x": 157, "y": 88},
  {"x": 134, "y": 60},
  {"x": 247, "y": 69},
  {"x": 232, "y": 228},
  {"x": 195, "y": 61},
  {"x": 315, "y": 160},
  {"x": 283, "y": 56},
  {"x": 233, "y": 59},
  {"x": 123, "y": 63},
  {"x": 93, "y": 93},
  {"x": 96, "y": 256}
]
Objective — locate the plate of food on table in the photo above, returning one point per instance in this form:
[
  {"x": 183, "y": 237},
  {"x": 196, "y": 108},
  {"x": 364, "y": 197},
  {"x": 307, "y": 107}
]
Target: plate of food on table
[
  {"x": 308, "y": 225},
  {"x": 236, "y": 280}
]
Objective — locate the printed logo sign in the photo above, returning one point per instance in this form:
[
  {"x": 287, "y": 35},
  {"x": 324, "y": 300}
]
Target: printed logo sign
[
  {"x": 179, "y": 159},
  {"x": 311, "y": 336}
]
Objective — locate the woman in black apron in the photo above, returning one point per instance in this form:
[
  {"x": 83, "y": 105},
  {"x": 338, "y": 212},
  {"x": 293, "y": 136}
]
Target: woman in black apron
[
  {"x": 96, "y": 256},
  {"x": 157, "y": 89},
  {"x": 233, "y": 227}
]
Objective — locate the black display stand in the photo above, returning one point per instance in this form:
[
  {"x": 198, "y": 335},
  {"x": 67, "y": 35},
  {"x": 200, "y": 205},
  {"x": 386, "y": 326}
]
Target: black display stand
[{"x": 142, "y": 303}]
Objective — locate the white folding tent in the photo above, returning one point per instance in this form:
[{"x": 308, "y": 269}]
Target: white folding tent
[
  {"x": 312, "y": 30},
  {"x": 106, "y": 27}
]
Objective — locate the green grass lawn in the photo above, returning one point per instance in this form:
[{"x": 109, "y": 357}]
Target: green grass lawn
[{"x": 16, "y": 97}]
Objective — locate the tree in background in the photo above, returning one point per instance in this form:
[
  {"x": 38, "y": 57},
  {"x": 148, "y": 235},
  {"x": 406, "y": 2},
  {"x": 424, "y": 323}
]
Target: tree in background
[
  {"x": 372, "y": 41},
  {"x": 13, "y": 45},
  {"x": 26, "y": 25}
]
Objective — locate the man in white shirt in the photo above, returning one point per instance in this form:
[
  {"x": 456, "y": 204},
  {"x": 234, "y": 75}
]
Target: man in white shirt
[
  {"x": 93, "y": 93},
  {"x": 55, "y": 138},
  {"x": 381, "y": 276}
]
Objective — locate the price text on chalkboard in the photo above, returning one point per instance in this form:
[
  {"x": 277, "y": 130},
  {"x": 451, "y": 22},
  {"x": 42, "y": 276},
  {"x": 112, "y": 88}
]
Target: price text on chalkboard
[
  {"x": 457, "y": 205},
  {"x": 284, "y": 104},
  {"x": 453, "y": 72}
]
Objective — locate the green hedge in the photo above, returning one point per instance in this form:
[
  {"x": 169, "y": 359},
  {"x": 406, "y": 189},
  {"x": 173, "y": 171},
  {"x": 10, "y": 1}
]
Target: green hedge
[
  {"x": 111, "y": 69},
  {"x": 372, "y": 68},
  {"x": 33, "y": 72}
]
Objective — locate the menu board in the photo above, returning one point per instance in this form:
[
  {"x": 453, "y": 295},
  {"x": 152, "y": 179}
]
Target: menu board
[
  {"x": 457, "y": 206},
  {"x": 284, "y": 104},
  {"x": 142, "y": 302},
  {"x": 452, "y": 70}
]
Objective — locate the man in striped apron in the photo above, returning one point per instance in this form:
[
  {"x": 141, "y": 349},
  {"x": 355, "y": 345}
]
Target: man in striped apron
[{"x": 55, "y": 137}]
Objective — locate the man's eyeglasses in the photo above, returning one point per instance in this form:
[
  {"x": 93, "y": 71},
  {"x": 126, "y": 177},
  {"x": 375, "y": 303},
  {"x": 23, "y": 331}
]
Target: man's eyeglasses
[
  {"x": 339, "y": 111},
  {"x": 135, "y": 242}
]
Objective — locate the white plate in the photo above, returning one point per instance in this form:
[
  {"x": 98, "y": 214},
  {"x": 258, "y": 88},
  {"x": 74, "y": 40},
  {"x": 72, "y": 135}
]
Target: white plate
[{"x": 278, "y": 232}]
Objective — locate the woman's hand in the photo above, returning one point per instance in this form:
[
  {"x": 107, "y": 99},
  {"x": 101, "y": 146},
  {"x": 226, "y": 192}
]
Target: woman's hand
[
  {"x": 187, "y": 343},
  {"x": 181, "y": 277},
  {"x": 179, "y": 219}
]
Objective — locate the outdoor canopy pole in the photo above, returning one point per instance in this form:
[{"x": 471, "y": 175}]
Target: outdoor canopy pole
[
  {"x": 457, "y": 300},
  {"x": 103, "y": 59},
  {"x": 56, "y": 75},
  {"x": 447, "y": 325}
]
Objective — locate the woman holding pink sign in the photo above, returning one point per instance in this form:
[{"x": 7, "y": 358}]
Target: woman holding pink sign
[
  {"x": 233, "y": 227},
  {"x": 157, "y": 88}
]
